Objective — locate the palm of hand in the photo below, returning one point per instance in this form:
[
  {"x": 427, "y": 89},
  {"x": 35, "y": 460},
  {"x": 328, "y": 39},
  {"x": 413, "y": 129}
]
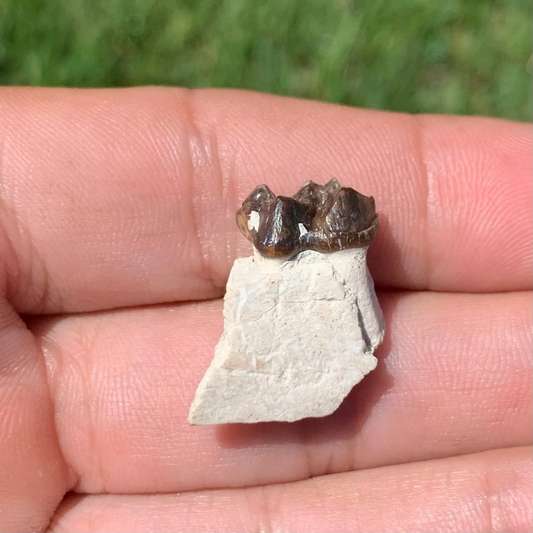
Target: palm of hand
[{"x": 113, "y": 204}]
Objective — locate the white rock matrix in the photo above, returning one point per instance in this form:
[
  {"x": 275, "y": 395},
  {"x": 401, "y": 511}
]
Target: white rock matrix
[{"x": 298, "y": 335}]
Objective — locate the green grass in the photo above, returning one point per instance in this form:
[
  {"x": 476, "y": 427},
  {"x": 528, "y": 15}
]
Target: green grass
[{"x": 448, "y": 56}]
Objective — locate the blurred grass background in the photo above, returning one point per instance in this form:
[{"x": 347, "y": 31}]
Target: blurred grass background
[{"x": 449, "y": 56}]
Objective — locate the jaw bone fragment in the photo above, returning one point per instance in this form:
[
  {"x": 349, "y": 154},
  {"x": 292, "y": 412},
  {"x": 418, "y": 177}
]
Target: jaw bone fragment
[{"x": 301, "y": 318}]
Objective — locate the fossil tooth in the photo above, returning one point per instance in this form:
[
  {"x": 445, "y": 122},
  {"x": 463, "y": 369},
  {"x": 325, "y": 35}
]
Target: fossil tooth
[
  {"x": 334, "y": 218},
  {"x": 301, "y": 318}
]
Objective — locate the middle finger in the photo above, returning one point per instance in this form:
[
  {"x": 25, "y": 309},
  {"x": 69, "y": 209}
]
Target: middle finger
[{"x": 454, "y": 377}]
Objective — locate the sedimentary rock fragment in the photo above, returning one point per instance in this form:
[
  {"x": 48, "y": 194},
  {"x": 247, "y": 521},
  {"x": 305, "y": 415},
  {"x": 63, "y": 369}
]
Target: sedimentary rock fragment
[{"x": 301, "y": 318}]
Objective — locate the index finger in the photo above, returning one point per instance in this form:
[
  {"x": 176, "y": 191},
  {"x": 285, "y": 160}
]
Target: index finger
[{"x": 111, "y": 198}]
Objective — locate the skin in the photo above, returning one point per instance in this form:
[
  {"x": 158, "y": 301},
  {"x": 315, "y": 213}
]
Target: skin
[{"x": 117, "y": 235}]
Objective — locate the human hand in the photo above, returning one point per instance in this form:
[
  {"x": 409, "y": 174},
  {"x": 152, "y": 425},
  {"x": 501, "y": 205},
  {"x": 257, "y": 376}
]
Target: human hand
[{"x": 117, "y": 236}]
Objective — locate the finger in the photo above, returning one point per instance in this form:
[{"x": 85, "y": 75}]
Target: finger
[
  {"x": 33, "y": 474},
  {"x": 125, "y": 197},
  {"x": 488, "y": 491},
  {"x": 454, "y": 377}
]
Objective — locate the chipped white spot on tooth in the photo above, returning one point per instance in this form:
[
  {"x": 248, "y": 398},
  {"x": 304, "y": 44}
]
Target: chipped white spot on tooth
[
  {"x": 253, "y": 221},
  {"x": 303, "y": 229}
]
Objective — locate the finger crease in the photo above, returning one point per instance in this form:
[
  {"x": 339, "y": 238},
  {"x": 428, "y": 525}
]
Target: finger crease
[
  {"x": 428, "y": 193},
  {"x": 199, "y": 161}
]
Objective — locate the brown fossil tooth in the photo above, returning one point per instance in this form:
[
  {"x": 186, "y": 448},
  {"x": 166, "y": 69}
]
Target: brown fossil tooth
[
  {"x": 350, "y": 221},
  {"x": 325, "y": 218},
  {"x": 310, "y": 193},
  {"x": 279, "y": 233},
  {"x": 258, "y": 202}
]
